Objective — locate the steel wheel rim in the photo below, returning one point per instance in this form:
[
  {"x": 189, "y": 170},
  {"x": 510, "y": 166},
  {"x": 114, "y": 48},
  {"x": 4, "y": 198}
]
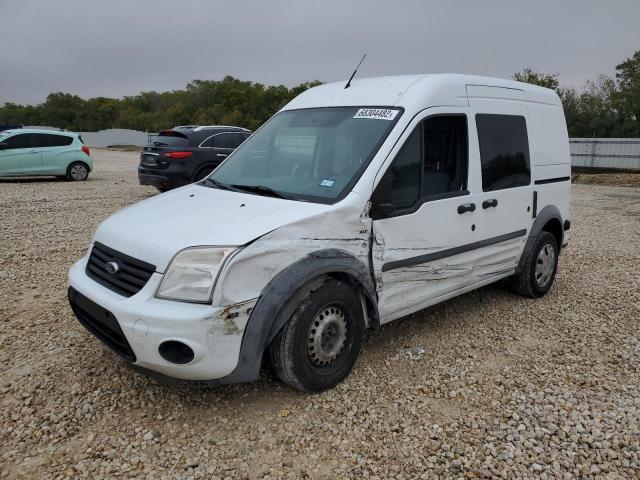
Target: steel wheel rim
[
  {"x": 78, "y": 172},
  {"x": 545, "y": 264},
  {"x": 327, "y": 335}
]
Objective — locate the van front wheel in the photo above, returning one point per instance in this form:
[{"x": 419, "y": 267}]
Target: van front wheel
[
  {"x": 539, "y": 267},
  {"x": 318, "y": 346}
]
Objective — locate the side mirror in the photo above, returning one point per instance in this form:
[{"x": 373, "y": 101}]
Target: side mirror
[
  {"x": 382, "y": 210},
  {"x": 3, "y": 146}
]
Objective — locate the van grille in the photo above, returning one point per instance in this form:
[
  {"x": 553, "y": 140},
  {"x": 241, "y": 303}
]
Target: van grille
[
  {"x": 128, "y": 278},
  {"x": 101, "y": 323}
]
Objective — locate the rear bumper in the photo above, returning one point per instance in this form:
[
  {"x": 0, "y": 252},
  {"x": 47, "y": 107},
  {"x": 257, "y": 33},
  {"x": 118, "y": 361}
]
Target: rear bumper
[
  {"x": 160, "y": 180},
  {"x": 153, "y": 179}
]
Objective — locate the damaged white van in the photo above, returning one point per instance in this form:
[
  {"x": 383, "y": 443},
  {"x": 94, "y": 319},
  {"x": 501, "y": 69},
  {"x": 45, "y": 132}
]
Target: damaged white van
[{"x": 349, "y": 208}]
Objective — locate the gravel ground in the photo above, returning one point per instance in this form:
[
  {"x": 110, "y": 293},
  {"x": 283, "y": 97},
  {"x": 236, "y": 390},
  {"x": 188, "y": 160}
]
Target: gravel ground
[{"x": 486, "y": 385}]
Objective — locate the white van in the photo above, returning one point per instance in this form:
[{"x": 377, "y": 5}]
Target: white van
[{"x": 351, "y": 207}]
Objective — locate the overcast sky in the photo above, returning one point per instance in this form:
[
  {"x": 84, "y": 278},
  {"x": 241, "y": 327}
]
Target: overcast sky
[{"x": 121, "y": 47}]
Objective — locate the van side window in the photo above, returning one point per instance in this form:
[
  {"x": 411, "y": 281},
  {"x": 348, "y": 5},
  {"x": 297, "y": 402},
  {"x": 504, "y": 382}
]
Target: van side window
[
  {"x": 399, "y": 188},
  {"x": 504, "y": 151},
  {"x": 431, "y": 165},
  {"x": 445, "y": 155}
]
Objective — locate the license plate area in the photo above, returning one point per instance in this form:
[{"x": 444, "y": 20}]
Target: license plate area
[{"x": 150, "y": 161}]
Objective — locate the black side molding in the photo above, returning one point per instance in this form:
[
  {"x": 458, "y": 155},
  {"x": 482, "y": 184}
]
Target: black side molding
[
  {"x": 552, "y": 180},
  {"x": 450, "y": 252}
]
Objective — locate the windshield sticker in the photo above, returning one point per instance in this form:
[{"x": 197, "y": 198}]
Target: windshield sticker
[
  {"x": 327, "y": 183},
  {"x": 377, "y": 113}
]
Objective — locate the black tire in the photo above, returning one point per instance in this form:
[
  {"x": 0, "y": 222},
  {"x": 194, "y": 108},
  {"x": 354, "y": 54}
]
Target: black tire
[
  {"x": 163, "y": 189},
  {"x": 292, "y": 350},
  {"x": 203, "y": 172},
  {"x": 529, "y": 281},
  {"x": 78, "y": 171}
]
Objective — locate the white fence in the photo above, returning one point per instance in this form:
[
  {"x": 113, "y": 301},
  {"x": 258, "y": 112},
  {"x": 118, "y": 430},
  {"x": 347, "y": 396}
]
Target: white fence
[
  {"x": 618, "y": 153},
  {"x": 112, "y": 137},
  {"x": 115, "y": 137}
]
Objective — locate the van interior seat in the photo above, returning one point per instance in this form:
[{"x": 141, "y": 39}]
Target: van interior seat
[{"x": 436, "y": 182}]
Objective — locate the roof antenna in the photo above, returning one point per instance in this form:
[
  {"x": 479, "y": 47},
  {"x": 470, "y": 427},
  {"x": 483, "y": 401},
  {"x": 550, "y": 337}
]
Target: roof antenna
[{"x": 354, "y": 72}]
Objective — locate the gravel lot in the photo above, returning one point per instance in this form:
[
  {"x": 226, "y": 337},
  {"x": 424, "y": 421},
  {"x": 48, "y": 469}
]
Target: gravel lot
[{"x": 486, "y": 385}]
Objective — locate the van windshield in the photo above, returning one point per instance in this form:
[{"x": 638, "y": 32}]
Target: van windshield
[{"x": 314, "y": 154}]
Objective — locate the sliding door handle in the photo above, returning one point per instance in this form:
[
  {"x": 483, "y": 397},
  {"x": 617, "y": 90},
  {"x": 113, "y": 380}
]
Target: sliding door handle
[
  {"x": 493, "y": 203},
  {"x": 466, "y": 207}
]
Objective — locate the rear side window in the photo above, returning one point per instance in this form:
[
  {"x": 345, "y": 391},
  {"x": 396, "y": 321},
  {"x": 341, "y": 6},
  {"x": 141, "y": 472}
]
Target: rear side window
[
  {"x": 504, "y": 151},
  {"x": 228, "y": 140},
  {"x": 22, "y": 140},
  {"x": 208, "y": 143},
  {"x": 170, "y": 138},
  {"x": 48, "y": 140}
]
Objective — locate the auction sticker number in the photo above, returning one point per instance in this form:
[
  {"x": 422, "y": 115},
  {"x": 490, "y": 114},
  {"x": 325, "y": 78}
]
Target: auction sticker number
[{"x": 377, "y": 113}]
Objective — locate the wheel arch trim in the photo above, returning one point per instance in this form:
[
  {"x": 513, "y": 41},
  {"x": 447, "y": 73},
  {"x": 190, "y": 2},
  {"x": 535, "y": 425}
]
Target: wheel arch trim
[
  {"x": 550, "y": 212},
  {"x": 279, "y": 299}
]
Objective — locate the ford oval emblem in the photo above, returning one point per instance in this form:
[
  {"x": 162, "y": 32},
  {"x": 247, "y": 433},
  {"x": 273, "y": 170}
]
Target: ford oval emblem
[{"x": 112, "y": 267}]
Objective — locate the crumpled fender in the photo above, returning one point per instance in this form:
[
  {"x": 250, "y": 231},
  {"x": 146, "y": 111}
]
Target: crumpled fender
[{"x": 282, "y": 295}]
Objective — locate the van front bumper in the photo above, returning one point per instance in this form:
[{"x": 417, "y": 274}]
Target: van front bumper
[{"x": 135, "y": 327}]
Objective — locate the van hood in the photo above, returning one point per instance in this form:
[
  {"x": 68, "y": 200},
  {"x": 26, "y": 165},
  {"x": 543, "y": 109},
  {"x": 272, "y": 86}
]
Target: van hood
[{"x": 155, "y": 229}]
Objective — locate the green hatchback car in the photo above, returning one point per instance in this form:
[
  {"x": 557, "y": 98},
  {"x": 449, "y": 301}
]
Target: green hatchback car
[{"x": 44, "y": 152}]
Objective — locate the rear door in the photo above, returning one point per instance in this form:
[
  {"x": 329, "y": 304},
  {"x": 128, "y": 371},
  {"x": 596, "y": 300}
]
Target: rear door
[
  {"x": 21, "y": 156},
  {"x": 57, "y": 152},
  {"x": 506, "y": 199}
]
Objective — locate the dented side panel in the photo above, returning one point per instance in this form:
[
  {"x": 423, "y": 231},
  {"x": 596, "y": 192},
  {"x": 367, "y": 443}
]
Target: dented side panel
[
  {"x": 408, "y": 289},
  {"x": 247, "y": 274},
  {"x": 437, "y": 227}
]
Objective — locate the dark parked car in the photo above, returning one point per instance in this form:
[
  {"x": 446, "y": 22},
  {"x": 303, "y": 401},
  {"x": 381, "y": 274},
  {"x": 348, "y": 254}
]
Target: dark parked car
[{"x": 186, "y": 154}]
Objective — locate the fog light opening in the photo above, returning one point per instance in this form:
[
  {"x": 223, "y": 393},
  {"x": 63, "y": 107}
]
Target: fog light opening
[{"x": 176, "y": 352}]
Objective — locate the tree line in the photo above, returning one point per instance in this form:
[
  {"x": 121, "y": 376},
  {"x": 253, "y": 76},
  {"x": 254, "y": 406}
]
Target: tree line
[
  {"x": 605, "y": 107},
  {"x": 229, "y": 101}
]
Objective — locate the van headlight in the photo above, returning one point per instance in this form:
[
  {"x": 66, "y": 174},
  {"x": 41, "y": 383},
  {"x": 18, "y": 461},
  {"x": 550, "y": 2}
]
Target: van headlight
[{"x": 192, "y": 274}]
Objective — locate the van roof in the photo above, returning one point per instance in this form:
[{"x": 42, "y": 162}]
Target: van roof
[{"x": 412, "y": 91}]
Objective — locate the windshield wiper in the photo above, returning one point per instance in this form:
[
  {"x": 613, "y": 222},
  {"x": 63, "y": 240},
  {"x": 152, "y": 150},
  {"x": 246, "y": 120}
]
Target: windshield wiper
[
  {"x": 261, "y": 190},
  {"x": 217, "y": 184}
]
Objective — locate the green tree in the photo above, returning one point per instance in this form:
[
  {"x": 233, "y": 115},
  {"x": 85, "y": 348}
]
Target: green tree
[
  {"x": 599, "y": 117},
  {"x": 62, "y": 110},
  {"x": 627, "y": 98},
  {"x": 547, "y": 80}
]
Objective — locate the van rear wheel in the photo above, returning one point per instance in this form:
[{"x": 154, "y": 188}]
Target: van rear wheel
[
  {"x": 539, "y": 267},
  {"x": 318, "y": 346}
]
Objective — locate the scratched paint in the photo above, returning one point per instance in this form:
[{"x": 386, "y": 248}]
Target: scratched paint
[
  {"x": 404, "y": 290},
  {"x": 258, "y": 263}
]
